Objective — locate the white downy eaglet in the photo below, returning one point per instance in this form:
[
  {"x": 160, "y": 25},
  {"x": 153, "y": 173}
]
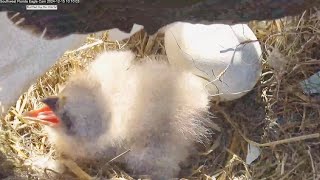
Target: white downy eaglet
[{"x": 155, "y": 110}]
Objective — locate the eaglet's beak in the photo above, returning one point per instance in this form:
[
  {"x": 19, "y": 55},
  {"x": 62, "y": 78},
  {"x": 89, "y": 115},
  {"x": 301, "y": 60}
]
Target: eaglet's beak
[{"x": 45, "y": 115}]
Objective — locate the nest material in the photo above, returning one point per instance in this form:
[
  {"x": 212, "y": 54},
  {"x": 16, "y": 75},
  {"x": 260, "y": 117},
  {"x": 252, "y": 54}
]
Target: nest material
[{"x": 276, "y": 116}]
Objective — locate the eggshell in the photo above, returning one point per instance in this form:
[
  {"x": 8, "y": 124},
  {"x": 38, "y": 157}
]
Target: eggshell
[{"x": 226, "y": 58}]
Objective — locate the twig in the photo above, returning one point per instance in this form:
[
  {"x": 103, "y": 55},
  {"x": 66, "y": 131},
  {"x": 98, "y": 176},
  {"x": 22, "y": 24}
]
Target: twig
[
  {"x": 76, "y": 169},
  {"x": 111, "y": 160},
  {"x": 274, "y": 143},
  {"x": 286, "y": 175}
]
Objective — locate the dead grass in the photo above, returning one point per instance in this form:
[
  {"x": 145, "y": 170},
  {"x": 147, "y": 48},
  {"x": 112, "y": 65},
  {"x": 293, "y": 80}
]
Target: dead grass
[{"x": 276, "y": 116}]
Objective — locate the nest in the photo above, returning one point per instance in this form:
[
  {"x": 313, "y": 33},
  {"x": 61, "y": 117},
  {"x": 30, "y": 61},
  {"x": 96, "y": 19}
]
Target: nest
[{"x": 276, "y": 117}]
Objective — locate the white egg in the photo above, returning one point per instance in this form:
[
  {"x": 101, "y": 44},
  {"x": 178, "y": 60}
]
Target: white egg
[{"x": 208, "y": 51}]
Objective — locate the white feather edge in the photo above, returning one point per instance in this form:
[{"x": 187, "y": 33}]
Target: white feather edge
[{"x": 24, "y": 57}]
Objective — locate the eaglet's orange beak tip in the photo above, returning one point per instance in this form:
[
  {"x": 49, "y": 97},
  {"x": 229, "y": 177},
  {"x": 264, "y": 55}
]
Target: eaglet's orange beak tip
[{"x": 43, "y": 115}]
